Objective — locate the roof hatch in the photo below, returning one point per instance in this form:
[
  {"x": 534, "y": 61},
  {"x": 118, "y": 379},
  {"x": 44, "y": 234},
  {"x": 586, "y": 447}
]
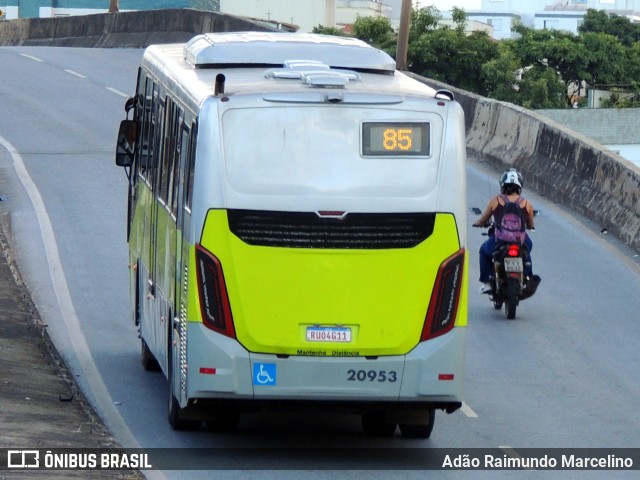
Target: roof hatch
[
  {"x": 274, "y": 49},
  {"x": 313, "y": 73}
]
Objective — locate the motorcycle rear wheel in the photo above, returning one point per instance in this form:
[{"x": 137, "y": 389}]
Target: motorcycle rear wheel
[{"x": 512, "y": 299}]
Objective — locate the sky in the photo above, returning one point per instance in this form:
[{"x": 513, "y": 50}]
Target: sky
[{"x": 443, "y": 5}]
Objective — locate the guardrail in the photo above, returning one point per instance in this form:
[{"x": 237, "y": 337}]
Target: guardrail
[{"x": 123, "y": 29}]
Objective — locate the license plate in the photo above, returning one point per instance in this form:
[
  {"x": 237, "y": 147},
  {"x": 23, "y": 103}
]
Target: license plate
[
  {"x": 328, "y": 334},
  {"x": 513, "y": 265}
]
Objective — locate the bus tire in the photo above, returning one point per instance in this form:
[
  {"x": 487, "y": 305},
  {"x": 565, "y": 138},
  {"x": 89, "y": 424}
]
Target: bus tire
[
  {"x": 375, "y": 424},
  {"x": 419, "y": 431}
]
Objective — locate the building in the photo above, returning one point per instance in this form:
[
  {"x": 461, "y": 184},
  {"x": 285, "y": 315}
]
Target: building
[
  {"x": 348, "y": 11},
  {"x": 552, "y": 14},
  {"x": 311, "y": 13},
  {"x": 305, "y": 15}
]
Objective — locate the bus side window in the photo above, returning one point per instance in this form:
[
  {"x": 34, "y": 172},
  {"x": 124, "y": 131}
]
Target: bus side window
[
  {"x": 156, "y": 138},
  {"x": 190, "y": 165},
  {"x": 167, "y": 152},
  {"x": 147, "y": 132},
  {"x": 176, "y": 178}
]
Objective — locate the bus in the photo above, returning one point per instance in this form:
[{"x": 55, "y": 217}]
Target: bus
[{"x": 296, "y": 231}]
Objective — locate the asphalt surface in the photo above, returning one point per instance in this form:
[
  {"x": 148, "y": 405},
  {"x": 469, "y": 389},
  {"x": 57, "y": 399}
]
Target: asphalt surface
[{"x": 40, "y": 404}]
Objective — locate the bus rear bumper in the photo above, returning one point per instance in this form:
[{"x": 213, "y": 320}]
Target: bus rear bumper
[{"x": 429, "y": 376}]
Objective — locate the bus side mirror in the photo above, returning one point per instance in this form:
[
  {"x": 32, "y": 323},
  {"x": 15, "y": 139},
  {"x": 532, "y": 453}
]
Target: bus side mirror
[{"x": 126, "y": 143}]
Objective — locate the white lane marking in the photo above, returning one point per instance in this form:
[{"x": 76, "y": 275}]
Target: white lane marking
[
  {"x": 76, "y": 74},
  {"x": 69, "y": 316},
  {"x": 31, "y": 57},
  {"x": 117, "y": 92},
  {"x": 466, "y": 409}
]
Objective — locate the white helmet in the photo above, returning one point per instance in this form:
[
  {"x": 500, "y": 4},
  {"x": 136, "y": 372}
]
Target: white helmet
[{"x": 511, "y": 177}]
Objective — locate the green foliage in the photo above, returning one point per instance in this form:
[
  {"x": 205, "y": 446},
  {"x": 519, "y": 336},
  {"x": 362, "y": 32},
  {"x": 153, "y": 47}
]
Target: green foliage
[
  {"x": 499, "y": 76},
  {"x": 336, "y": 32},
  {"x": 460, "y": 19},
  {"x": 376, "y": 31},
  {"x": 447, "y": 54},
  {"x": 629, "y": 98},
  {"x": 539, "y": 69},
  {"x": 423, "y": 20},
  {"x": 541, "y": 87},
  {"x": 598, "y": 21}
]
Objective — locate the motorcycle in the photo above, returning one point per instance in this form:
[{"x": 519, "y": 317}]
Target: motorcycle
[{"x": 509, "y": 284}]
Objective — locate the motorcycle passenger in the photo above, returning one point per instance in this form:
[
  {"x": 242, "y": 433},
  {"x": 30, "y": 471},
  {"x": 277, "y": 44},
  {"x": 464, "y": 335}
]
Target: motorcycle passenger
[{"x": 511, "y": 183}]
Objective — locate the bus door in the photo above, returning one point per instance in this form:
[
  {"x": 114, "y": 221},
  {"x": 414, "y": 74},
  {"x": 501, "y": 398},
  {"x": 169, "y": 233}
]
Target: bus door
[
  {"x": 183, "y": 210},
  {"x": 184, "y": 177},
  {"x": 150, "y": 314}
]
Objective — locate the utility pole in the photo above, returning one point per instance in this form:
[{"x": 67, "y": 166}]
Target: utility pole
[
  {"x": 403, "y": 36},
  {"x": 113, "y": 6}
]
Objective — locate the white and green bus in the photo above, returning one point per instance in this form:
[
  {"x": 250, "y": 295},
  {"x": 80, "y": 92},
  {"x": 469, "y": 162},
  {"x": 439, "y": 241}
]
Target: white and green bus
[{"x": 297, "y": 231}]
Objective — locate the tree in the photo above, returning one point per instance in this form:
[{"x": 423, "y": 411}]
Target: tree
[
  {"x": 541, "y": 87},
  {"x": 608, "y": 61},
  {"x": 423, "y": 20},
  {"x": 446, "y": 54},
  {"x": 589, "y": 57},
  {"x": 376, "y": 31},
  {"x": 501, "y": 76},
  {"x": 598, "y": 21},
  {"x": 459, "y": 19},
  {"x": 560, "y": 51},
  {"x": 336, "y": 32},
  {"x": 540, "y": 69}
]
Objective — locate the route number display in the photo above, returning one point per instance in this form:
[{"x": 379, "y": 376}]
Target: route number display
[{"x": 382, "y": 139}]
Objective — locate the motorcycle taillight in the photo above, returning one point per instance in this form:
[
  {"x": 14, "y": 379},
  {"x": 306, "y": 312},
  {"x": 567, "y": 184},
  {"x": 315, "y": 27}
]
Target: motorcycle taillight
[{"x": 514, "y": 251}]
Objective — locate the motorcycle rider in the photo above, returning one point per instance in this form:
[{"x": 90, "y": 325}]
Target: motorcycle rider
[{"x": 511, "y": 183}]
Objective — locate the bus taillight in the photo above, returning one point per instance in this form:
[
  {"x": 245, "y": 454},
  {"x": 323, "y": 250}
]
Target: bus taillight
[
  {"x": 214, "y": 300},
  {"x": 441, "y": 315}
]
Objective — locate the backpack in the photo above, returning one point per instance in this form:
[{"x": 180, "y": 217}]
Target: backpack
[{"x": 510, "y": 223}]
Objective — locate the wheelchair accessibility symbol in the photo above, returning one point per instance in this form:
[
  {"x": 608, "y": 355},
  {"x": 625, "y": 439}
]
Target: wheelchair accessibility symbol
[{"x": 264, "y": 373}]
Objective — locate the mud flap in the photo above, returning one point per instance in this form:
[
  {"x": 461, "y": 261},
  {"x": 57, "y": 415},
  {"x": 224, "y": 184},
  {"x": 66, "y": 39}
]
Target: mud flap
[{"x": 530, "y": 287}]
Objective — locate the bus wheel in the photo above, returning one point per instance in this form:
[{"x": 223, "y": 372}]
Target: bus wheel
[
  {"x": 419, "y": 431},
  {"x": 375, "y": 424},
  {"x": 226, "y": 422},
  {"x": 149, "y": 362}
]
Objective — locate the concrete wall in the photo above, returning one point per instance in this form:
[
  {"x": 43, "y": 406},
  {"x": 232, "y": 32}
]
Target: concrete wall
[
  {"x": 124, "y": 29},
  {"x": 614, "y": 128},
  {"x": 604, "y": 125},
  {"x": 557, "y": 162}
]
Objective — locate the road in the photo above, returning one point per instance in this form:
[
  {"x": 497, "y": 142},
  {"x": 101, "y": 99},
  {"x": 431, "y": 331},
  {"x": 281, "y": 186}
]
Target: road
[{"x": 564, "y": 374}]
